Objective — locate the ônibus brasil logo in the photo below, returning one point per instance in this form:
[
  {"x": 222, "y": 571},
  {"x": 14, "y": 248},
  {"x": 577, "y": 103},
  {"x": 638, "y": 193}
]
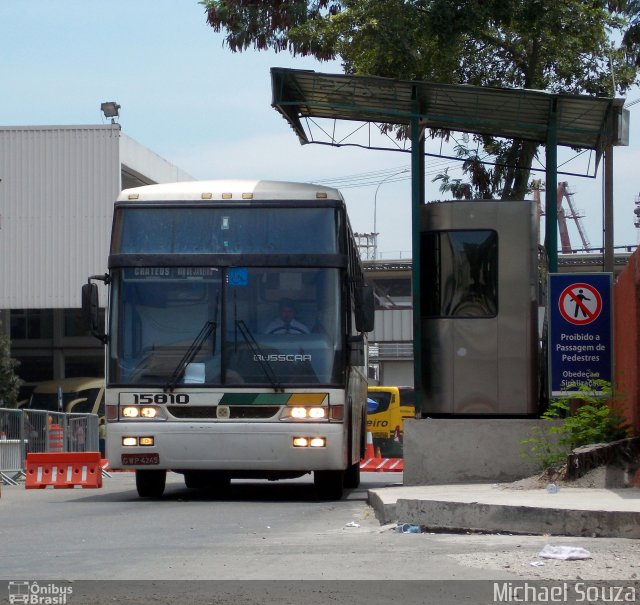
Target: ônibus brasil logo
[{"x": 32, "y": 593}]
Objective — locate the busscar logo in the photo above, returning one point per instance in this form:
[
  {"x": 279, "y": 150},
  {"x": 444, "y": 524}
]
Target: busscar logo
[
  {"x": 282, "y": 357},
  {"x": 32, "y": 593}
]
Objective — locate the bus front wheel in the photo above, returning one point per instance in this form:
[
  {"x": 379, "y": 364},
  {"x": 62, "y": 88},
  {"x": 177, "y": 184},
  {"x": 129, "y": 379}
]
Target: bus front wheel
[
  {"x": 150, "y": 484},
  {"x": 329, "y": 484},
  {"x": 352, "y": 476}
]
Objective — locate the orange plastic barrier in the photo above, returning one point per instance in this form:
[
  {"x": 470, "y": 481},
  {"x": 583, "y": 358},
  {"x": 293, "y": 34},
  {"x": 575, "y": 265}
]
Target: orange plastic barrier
[
  {"x": 63, "y": 470},
  {"x": 373, "y": 462},
  {"x": 56, "y": 438},
  {"x": 382, "y": 465}
]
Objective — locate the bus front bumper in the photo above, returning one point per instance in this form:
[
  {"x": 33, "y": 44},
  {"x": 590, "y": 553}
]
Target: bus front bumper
[{"x": 226, "y": 446}]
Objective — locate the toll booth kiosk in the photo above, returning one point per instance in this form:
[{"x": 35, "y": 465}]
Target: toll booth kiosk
[{"x": 479, "y": 299}]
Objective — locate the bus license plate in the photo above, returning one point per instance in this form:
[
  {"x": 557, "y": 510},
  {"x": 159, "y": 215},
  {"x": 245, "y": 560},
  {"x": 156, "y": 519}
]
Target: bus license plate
[{"x": 140, "y": 459}]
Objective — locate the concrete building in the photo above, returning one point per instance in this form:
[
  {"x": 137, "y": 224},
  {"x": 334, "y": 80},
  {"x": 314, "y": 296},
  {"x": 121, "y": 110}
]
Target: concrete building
[
  {"x": 391, "y": 342},
  {"x": 57, "y": 188}
]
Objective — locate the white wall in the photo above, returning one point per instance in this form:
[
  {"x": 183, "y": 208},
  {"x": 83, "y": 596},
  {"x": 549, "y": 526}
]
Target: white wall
[
  {"x": 398, "y": 373},
  {"x": 139, "y": 159},
  {"x": 393, "y": 325},
  {"x": 57, "y": 188},
  {"x": 56, "y": 195}
]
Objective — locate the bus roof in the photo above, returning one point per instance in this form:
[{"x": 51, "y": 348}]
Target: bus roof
[{"x": 230, "y": 189}]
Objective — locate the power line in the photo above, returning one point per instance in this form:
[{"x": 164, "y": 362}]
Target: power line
[{"x": 372, "y": 178}]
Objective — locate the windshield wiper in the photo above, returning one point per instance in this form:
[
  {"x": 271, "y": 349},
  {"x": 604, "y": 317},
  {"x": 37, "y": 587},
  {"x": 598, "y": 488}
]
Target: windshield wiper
[
  {"x": 207, "y": 330},
  {"x": 259, "y": 355}
]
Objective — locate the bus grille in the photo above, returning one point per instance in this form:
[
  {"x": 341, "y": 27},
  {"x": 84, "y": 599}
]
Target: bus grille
[
  {"x": 235, "y": 411},
  {"x": 253, "y": 411}
]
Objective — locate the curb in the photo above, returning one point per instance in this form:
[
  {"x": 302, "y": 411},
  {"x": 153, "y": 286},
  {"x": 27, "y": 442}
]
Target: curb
[{"x": 440, "y": 515}]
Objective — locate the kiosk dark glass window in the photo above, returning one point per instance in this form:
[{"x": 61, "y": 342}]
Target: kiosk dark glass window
[{"x": 460, "y": 273}]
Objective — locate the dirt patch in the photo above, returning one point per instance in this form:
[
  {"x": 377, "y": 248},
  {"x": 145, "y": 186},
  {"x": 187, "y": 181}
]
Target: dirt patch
[
  {"x": 611, "y": 559},
  {"x": 602, "y": 466},
  {"x": 601, "y": 477}
]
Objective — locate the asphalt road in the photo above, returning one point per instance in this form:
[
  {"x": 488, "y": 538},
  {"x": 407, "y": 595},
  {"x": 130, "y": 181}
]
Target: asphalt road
[{"x": 198, "y": 547}]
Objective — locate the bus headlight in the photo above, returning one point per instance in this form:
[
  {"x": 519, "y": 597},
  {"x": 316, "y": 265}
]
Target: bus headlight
[
  {"x": 309, "y": 442},
  {"x": 304, "y": 413},
  {"x": 147, "y": 440},
  {"x": 136, "y": 411}
]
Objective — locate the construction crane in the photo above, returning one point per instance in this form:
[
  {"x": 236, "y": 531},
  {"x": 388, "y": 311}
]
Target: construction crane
[
  {"x": 367, "y": 244},
  {"x": 568, "y": 195},
  {"x": 563, "y": 193}
]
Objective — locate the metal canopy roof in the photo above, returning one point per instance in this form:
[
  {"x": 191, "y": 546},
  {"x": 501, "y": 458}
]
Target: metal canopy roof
[
  {"x": 581, "y": 121},
  {"x": 577, "y": 121}
]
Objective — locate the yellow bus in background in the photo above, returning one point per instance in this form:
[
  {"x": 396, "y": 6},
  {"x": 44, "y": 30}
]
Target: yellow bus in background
[{"x": 387, "y": 407}]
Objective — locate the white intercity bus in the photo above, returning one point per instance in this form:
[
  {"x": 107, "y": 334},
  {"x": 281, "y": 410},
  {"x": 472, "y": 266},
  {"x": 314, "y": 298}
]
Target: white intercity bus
[{"x": 236, "y": 335}]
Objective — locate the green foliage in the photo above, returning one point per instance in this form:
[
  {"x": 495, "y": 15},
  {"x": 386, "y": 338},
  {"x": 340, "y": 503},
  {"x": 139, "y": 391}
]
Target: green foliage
[
  {"x": 280, "y": 25},
  {"x": 631, "y": 38},
  {"x": 459, "y": 190},
  {"x": 563, "y": 46},
  {"x": 568, "y": 46},
  {"x": 596, "y": 420},
  {"x": 9, "y": 381}
]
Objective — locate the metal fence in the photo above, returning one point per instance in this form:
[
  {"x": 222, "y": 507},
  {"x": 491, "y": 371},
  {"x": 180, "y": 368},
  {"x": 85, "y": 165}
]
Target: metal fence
[{"x": 24, "y": 431}]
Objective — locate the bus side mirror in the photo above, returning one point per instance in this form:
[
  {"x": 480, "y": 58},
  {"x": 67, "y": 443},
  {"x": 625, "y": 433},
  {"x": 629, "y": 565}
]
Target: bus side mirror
[
  {"x": 365, "y": 309},
  {"x": 91, "y": 310}
]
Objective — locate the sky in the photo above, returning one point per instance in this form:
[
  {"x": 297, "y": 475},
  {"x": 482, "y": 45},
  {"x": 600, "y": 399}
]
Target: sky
[{"x": 188, "y": 98}]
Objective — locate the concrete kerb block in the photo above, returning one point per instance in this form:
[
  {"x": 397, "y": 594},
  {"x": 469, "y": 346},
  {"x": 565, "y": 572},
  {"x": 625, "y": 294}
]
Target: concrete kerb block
[
  {"x": 467, "y": 450},
  {"x": 385, "y": 511},
  {"x": 493, "y": 518}
]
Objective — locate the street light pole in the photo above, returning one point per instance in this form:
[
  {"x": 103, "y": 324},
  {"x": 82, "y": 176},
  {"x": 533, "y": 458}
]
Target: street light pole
[{"x": 375, "y": 209}]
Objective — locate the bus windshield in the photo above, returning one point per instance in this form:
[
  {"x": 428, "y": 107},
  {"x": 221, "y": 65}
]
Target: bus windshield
[
  {"x": 217, "y": 326},
  {"x": 225, "y": 230}
]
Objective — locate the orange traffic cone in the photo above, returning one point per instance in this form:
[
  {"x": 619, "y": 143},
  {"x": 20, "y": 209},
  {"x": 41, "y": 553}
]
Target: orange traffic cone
[
  {"x": 396, "y": 435},
  {"x": 369, "y": 452}
]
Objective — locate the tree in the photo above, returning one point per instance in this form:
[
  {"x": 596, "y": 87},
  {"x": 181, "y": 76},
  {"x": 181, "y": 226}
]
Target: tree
[
  {"x": 563, "y": 46},
  {"x": 9, "y": 381},
  {"x": 631, "y": 37}
]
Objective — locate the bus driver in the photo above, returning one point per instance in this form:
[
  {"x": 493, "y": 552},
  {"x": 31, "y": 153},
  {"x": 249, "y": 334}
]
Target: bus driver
[{"x": 287, "y": 322}]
